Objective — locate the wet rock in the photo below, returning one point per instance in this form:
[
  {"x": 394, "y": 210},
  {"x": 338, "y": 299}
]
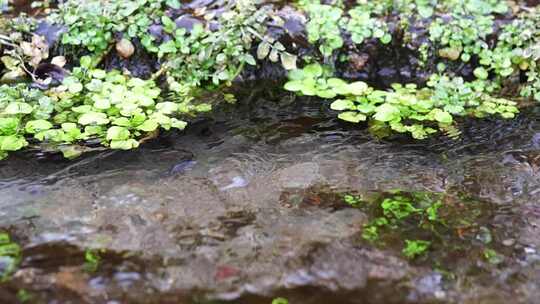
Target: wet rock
[
  {"x": 187, "y": 22},
  {"x": 51, "y": 32},
  {"x": 170, "y": 231}
]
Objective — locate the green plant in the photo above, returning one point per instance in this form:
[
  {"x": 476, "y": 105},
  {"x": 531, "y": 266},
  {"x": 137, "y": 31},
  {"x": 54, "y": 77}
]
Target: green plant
[
  {"x": 313, "y": 80},
  {"x": 92, "y": 260},
  {"x": 24, "y": 296},
  {"x": 91, "y": 24},
  {"x": 492, "y": 256},
  {"x": 323, "y": 27},
  {"x": 419, "y": 112},
  {"x": 112, "y": 108},
  {"x": 10, "y": 256},
  {"x": 415, "y": 248},
  {"x": 461, "y": 37},
  {"x": 432, "y": 211},
  {"x": 370, "y": 231},
  {"x": 517, "y": 49},
  {"x": 280, "y": 301},
  {"x": 352, "y": 200},
  {"x": 362, "y": 25},
  {"x": 398, "y": 207},
  {"x": 202, "y": 56}
]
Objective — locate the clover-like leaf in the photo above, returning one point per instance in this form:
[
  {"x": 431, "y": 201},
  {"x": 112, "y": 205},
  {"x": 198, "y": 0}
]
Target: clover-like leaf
[
  {"x": 443, "y": 116},
  {"x": 358, "y": 88},
  {"x": 350, "y": 116},
  {"x": 342, "y": 104},
  {"x": 387, "y": 112},
  {"x": 12, "y": 143},
  {"x": 124, "y": 144},
  {"x": 93, "y": 118},
  {"x": 34, "y": 126},
  {"x": 118, "y": 133},
  {"x": 16, "y": 107}
]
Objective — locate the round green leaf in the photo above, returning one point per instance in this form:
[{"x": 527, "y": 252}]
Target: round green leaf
[
  {"x": 34, "y": 126},
  {"x": 358, "y": 88},
  {"x": 148, "y": 126},
  {"x": 16, "y": 107},
  {"x": 352, "y": 116},
  {"x": 443, "y": 117},
  {"x": 12, "y": 143},
  {"x": 93, "y": 118},
  {"x": 481, "y": 73},
  {"x": 342, "y": 104},
  {"x": 386, "y": 112},
  {"x": 124, "y": 144},
  {"x": 117, "y": 133},
  {"x": 294, "y": 85}
]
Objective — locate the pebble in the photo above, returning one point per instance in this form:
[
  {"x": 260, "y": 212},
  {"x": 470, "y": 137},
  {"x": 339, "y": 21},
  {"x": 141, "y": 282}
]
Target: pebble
[
  {"x": 508, "y": 242},
  {"x": 125, "y": 48}
]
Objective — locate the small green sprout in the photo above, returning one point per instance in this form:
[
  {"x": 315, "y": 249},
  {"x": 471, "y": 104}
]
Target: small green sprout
[
  {"x": 398, "y": 207},
  {"x": 492, "y": 256},
  {"x": 415, "y": 248},
  {"x": 352, "y": 200},
  {"x": 371, "y": 230},
  {"x": 280, "y": 301},
  {"x": 10, "y": 256},
  {"x": 92, "y": 260}
]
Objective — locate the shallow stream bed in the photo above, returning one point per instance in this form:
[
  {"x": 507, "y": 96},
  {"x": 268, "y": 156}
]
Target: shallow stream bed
[{"x": 248, "y": 209}]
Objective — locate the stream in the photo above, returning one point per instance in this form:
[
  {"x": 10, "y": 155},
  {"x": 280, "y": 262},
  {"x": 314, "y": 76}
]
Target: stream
[{"x": 249, "y": 209}]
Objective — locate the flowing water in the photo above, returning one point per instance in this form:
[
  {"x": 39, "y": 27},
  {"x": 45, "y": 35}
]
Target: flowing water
[{"x": 248, "y": 206}]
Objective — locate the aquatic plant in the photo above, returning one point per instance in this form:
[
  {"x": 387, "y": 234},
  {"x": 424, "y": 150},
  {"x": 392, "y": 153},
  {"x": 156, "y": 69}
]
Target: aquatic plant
[
  {"x": 415, "y": 248},
  {"x": 352, "y": 199},
  {"x": 280, "y": 301},
  {"x": 92, "y": 259},
  {"x": 92, "y": 104},
  {"x": 10, "y": 256},
  {"x": 419, "y": 112}
]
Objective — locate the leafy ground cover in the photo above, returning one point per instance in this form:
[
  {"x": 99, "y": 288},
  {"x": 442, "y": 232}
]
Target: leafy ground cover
[
  {"x": 82, "y": 75},
  {"x": 423, "y": 225}
]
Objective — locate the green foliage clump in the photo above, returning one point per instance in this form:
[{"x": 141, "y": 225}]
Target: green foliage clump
[
  {"x": 398, "y": 208},
  {"x": 315, "y": 80},
  {"x": 92, "y": 260},
  {"x": 92, "y": 24},
  {"x": 492, "y": 256},
  {"x": 280, "y": 301},
  {"x": 404, "y": 109},
  {"x": 415, "y": 248},
  {"x": 323, "y": 27},
  {"x": 362, "y": 25},
  {"x": 92, "y": 104},
  {"x": 461, "y": 37},
  {"x": 202, "y": 55},
  {"x": 517, "y": 49},
  {"x": 19, "y": 106},
  {"x": 10, "y": 256},
  {"x": 352, "y": 200}
]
